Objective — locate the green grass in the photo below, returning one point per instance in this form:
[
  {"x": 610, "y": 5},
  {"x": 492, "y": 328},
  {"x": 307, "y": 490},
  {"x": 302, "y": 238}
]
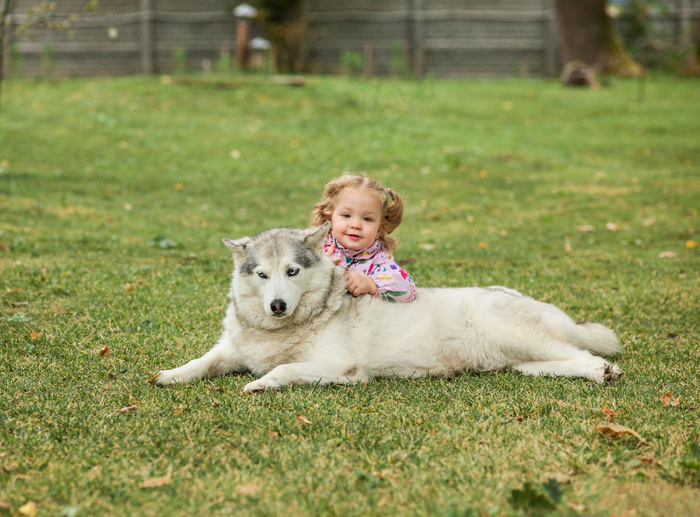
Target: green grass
[{"x": 498, "y": 177}]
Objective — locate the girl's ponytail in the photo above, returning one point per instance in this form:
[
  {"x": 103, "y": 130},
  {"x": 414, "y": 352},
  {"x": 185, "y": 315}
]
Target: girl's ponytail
[{"x": 394, "y": 212}]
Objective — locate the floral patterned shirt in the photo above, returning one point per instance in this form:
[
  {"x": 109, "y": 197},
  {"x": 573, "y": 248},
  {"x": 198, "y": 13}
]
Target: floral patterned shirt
[{"x": 393, "y": 283}]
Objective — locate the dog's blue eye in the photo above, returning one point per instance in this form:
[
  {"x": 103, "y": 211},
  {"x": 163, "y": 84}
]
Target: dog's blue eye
[
  {"x": 262, "y": 275},
  {"x": 293, "y": 271}
]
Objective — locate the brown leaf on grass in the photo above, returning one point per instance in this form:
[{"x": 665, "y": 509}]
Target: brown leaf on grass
[
  {"x": 28, "y": 509},
  {"x": 304, "y": 420},
  {"x": 273, "y": 434},
  {"x": 667, "y": 254},
  {"x": 585, "y": 228},
  {"x": 35, "y": 335},
  {"x": 609, "y": 412},
  {"x": 104, "y": 351},
  {"x": 128, "y": 288},
  {"x": 613, "y": 227},
  {"x": 691, "y": 244},
  {"x": 616, "y": 431},
  {"x": 126, "y": 409},
  {"x": 668, "y": 400},
  {"x": 4, "y": 505},
  {"x": 159, "y": 481}
]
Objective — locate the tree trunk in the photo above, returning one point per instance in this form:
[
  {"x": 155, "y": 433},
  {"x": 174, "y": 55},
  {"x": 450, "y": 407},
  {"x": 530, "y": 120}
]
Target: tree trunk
[{"x": 589, "y": 42}]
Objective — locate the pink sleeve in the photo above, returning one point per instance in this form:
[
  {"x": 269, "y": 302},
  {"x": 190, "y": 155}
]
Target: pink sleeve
[{"x": 393, "y": 283}]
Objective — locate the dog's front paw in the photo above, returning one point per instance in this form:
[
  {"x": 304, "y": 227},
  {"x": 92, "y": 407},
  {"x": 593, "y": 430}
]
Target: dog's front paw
[
  {"x": 261, "y": 384},
  {"x": 164, "y": 378}
]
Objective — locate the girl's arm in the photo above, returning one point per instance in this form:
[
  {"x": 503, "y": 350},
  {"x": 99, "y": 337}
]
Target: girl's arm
[{"x": 393, "y": 283}]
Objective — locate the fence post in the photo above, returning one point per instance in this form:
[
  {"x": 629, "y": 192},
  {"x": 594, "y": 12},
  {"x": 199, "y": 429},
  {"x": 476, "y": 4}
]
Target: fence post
[
  {"x": 550, "y": 40},
  {"x": 418, "y": 37},
  {"x": 146, "y": 37},
  {"x": 368, "y": 61},
  {"x": 685, "y": 22}
]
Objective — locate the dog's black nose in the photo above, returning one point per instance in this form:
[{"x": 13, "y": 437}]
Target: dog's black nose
[{"x": 278, "y": 306}]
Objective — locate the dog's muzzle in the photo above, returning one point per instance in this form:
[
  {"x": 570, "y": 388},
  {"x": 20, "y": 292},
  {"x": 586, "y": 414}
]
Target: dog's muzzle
[{"x": 278, "y": 307}]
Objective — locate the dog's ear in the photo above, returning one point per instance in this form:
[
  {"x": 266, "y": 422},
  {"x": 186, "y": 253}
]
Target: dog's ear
[
  {"x": 238, "y": 247},
  {"x": 316, "y": 236}
]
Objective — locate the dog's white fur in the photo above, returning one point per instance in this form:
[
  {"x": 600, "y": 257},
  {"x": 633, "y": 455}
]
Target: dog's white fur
[{"x": 291, "y": 320}]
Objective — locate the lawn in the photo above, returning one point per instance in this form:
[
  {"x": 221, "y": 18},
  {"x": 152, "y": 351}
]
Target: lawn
[{"x": 115, "y": 195}]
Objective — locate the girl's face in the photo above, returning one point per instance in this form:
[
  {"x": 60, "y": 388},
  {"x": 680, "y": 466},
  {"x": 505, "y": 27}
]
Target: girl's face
[{"x": 356, "y": 220}]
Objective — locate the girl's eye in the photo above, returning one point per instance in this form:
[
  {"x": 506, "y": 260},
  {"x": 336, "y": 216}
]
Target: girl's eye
[
  {"x": 293, "y": 271},
  {"x": 347, "y": 216},
  {"x": 368, "y": 219},
  {"x": 262, "y": 275}
]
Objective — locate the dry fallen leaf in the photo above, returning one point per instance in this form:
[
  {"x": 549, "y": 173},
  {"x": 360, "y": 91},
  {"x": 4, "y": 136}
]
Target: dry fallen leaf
[
  {"x": 667, "y": 254},
  {"x": 4, "y": 505},
  {"x": 616, "y": 430},
  {"x": 104, "y": 351},
  {"x": 304, "y": 420},
  {"x": 613, "y": 227},
  {"x": 28, "y": 509},
  {"x": 691, "y": 244},
  {"x": 585, "y": 228},
  {"x": 649, "y": 222},
  {"x": 567, "y": 245},
  {"x": 158, "y": 482},
  {"x": 577, "y": 507},
  {"x": 126, "y": 409},
  {"x": 35, "y": 335},
  {"x": 273, "y": 434},
  {"x": 668, "y": 400},
  {"x": 129, "y": 288},
  {"x": 609, "y": 412}
]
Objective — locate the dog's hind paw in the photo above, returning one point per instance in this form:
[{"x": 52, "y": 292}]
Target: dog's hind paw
[{"x": 612, "y": 374}]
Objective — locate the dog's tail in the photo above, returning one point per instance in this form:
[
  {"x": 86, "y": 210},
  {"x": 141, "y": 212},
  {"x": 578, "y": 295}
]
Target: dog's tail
[{"x": 596, "y": 338}]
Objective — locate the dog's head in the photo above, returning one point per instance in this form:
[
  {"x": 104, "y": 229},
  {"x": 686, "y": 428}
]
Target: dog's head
[{"x": 279, "y": 275}]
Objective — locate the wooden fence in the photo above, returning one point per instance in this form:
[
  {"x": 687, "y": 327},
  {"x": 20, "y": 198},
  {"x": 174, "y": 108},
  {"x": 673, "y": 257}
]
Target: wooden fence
[{"x": 441, "y": 38}]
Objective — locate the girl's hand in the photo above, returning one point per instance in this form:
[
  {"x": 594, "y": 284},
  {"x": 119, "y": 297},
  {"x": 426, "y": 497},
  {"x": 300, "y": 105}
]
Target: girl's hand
[
  {"x": 358, "y": 284},
  {"x": 330, "y": 251}
]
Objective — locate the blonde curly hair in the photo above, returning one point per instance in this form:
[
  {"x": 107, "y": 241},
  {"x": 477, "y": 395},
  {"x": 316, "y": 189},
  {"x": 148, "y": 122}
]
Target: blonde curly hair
[{"x": 392, "y": 205}]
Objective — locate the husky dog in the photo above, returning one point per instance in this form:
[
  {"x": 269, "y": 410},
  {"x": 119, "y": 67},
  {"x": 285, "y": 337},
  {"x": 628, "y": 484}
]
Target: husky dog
[{"x": 292, "y": 321}]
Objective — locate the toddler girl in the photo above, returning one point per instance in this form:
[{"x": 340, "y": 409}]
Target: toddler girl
[{"x": 361, "y": 219}]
